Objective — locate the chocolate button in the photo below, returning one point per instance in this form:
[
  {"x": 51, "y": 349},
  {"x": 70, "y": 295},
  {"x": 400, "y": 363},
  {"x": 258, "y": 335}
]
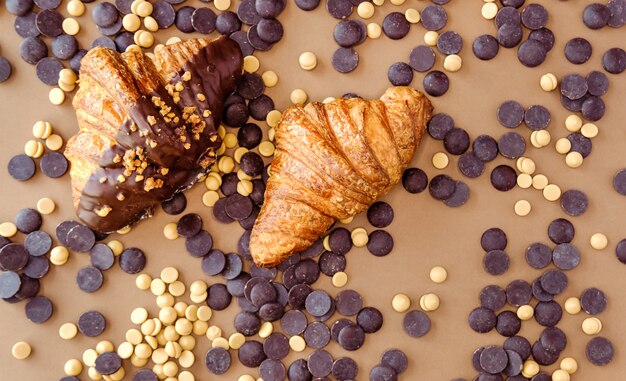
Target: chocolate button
[
  {"x": 145, "y": 375},
  {"x": 441, "y": 187},
  {"x": 276, "y": 346},
  {"x": 566, "y": 256},
  {"x": 422, "y": 59},
  {"x": 293, "y": 322},
  {"x": 49, "y": 22},
  {"x": 436, "y": 83},
  {"x": 164, "y": 14},
  {"x": 345, "y": 368},
  {"x": 414, "y": 180},
  {"x": 554, "y": 281},
  {"x": 272, "y": 370},
  {"x": 503, "y": 178},
  {"x": 539, "y": 293},
  {"x": 227, "y": 23},
  {"x": 318, "y": 303},
  {"x": 13, "y": 257},
  {"x": 19, "y": 7},
  {"x": 251, "y": 354},
  {"x": 518, "y": 293},
  {"x": 543, "y": 35},
  {"x": 456, "y": 141},
  {"x": 561, "y": 230},
  {"x": 534, "y": 16},
  {"x": 508, "y": 324},
  {"x": 89, "y": 279},
  {"x": 383, "y": 373},
  {"x": 348, "y": 33},
  {"x": 509, "y": 35},
  {"x": 80, "y": 238},
  {"x": 345, "y": 60},
  {"x": 53, "y": 164},
  {"x": 543, "y": 357},
  {"x": 599, "y": 351},
  {"x": 218, "y": 297},
  {"x": 417, "y": 324},
  {"x": 189, "y": 225},
  {"x": 593, "y": 301},
  {"x": 400, "y": 74},
  {"x": 578, "y": 50},
  {"x": 548, "y": 314},
  {"x": 101, "y": 256},
  {"x": 369, "y": 319},
  {"x": 320, "y": 363},
  {"x": 553, "y": 340},
  {"x": 21, "y": 167},
  {"x": 532, "y": 53},
  {"x": 9, "y": 284},
  {"x": 439, "y": 125},
  {"x": 48, "y": 69},
  {"x": 32, "y": 49},
  {"x": 339, "y": 9},
  {"x": 37, "y": 267},
  {"x": 492, "y": 297},
  {"x": 351, "y": 337},
  {"x": 485, "y": 148},
  {"x": 481, "y": 319},
  {"x": 395, "y": 25},
  {"x": 596, "y": 16},
  {"x": 108, "y": 363},
  {"x": 485, "y": 47},
  {"x": 510, "y": 114},
  {"x": 298, "y": 370},
  {"x": 538, "y": 255},
  {"x": 580, "y": 144},
  {"x": 519, "y": 345},
  {"x": 316, "y": 335},
  {"x": 132, "y": 260},
  {"x": 574, "y": 202},
  {"x": 511, "y": 145},
  {"x": 104, "y": 14},
  {"x": 380, "y": 243},
  {"x": 496, "y": 262},
  {"x": 614, "y": 60},
  {"x": 434, "y": 17},
  {"x": 38, "y": 309},
  {"x": 493, "y": 359},
  {"x": 259, "y": 108},
  {"x": 331, "y": 263},
  {"x": 217, "y": 360}
]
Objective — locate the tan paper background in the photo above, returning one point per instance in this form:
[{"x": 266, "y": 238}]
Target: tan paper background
[{"x": 426, "y": 232}]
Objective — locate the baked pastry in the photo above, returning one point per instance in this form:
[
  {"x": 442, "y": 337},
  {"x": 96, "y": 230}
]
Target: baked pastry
[
  {"x": 147, "y": 129},
  {"x": 333, "y": 161}
]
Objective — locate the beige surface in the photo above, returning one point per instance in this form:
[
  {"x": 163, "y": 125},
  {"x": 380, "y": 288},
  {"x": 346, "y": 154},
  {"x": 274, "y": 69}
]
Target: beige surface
[{"x": 426, "y": 233}]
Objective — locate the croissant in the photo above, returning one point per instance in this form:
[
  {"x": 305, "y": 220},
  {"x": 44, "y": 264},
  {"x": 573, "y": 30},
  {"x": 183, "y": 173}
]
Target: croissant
[
  {"x": 147, "y": 129},
  {"x": 332, "y": 161}
]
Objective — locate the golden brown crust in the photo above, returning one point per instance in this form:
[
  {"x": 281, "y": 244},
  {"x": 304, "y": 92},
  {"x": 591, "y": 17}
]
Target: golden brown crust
[{"x": 332, "y": 161}]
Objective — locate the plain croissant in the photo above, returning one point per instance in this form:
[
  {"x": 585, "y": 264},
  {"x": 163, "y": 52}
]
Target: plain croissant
[
  {"x": 147, "y": 129},
  {"x": 332, "y": 161}
]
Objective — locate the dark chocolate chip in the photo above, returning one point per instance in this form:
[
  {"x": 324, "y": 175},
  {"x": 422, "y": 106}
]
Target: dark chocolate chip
[
  {"x": 49, "y": 22},
  {"x": 548, "y": 314},
  {"x": 316, "y": 336},
  {"x": 19, "y": 7},
  {"x": 10, "y": 284},
  {"x": 350, "y": 337},
  {"x": 593, "y": 301},
  {"x": 508, "y": 324},
  {"x": 395, "y": 25},
  {"x": 183, "y": 19},
  {"x": 298, "y": 370},
  {"x": 108, "y": 363},
  {"x": 417, "y": 324},
  {"x": 339, "y": 9},
  {"x": 345, "y": 60},
  {"x": 507, "y": 15},
  {"x": 485, "y": 47},
  {"x": 345, "y": 368},
  {"x": 482, "y": 319},
  {"x": 53, "y": 164},
  {"x": 614, "y": 60},
  {"x": 434, "y": 17},
  {"x": 218, "y": 297},
  {"x": 132, "y": 260},
  {"x": 503, "y": 178},
  {"x": 543, "y": 35},
  {"x": 320, "y": 363},
  {"x": 511, "y": 145},
  {"x": 102, "y": 256},
  {"x": 574, "y": 202},
  {"x": 370, "y": 319},
  {"x": 509, "y": 35},
  {"x": 456, "y": 141},
  {"x": 422, "y": 59},
  {"x": 80, "y": 238},
  {"x": 380, "y": 242},
  {"x": 89, "y": 279},
  {"x": 492, "y": 297},
  {"x": 449, "y": 42},
  {"x": 27, "y": 220},
  {"x": 32, "y": 49},
  {"x": 596, "y": 16},
  {"x": 293, "y": 322},
  {"x": 534, "y": 16},
  {"x": 493, "y": 359},
  {"x": 37, "y": 243},
  {"x": 270, "y": 30},
  {"x": 383, "y": 373},
  {"x": 441, "y": 187},
  {"x": 543, "y": 357},
  {"x": 175, "y": 205},
  {"x": 578, "y": 50},
  {"x": 459, "y": 197},
  {"x": 439, "y": 125},
  {"x": 599, "y": 351},
  {"x": 39, "y": 309},
  {"x": 532, "y": 53},
  {"x": 414, "y": 180},
  {"x": 436, "y": 83},
  {"x": 217, "y": 360},
  {"x": 250, "y": 135},
  {"x": 400, "y": 74},
  {"x": 510, "y": 114}
]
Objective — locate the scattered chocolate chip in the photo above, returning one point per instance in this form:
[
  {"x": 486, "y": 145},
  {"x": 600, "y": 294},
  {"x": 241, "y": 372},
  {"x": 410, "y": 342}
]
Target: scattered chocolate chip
[
  {"x": 132, "y": 260},
  {"x": 417, "y": 324},
  {"x": 578, "y": 50},
  {"x": 436, "y": 83},
  {"x": 422, "y": 59},
  {"x": 38, "y": 309},
  {"x": 599, "y": 351}
]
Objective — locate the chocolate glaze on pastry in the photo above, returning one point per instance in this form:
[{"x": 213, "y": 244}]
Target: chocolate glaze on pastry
[{"x": 147, "y": 130}]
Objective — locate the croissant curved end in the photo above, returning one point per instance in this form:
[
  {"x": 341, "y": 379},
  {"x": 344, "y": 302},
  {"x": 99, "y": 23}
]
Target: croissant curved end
[{"x": 300, "y": 207}]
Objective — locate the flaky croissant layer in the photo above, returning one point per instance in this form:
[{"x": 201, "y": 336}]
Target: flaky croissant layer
[{"x": 332, "y": 161}]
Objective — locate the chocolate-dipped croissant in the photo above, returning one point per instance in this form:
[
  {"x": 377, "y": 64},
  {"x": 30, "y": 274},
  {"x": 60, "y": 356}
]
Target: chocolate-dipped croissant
[
  {"x": 333, "y": 161},
  {"x": 147, "y": 129}
]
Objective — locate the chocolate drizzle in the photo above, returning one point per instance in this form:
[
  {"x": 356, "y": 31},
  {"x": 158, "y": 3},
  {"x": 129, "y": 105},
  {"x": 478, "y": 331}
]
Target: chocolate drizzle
[{"x": 165, "y": 143}]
